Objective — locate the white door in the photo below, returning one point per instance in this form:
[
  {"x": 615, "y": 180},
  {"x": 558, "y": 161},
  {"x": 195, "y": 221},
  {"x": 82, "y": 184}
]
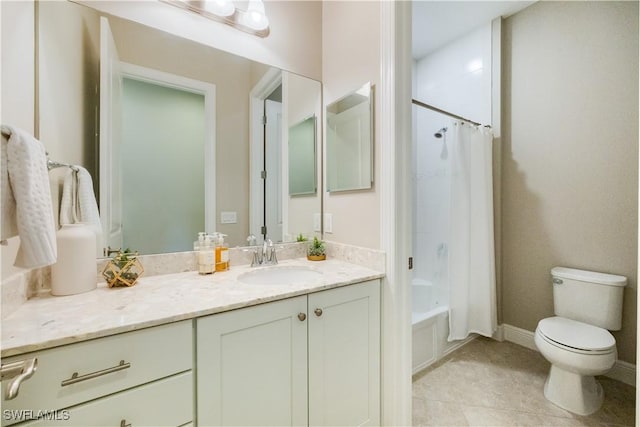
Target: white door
[
  {"x": 252, "y": 366},
  {"x": 344, "y": 356},
  {"x": 110, "y": 138},
  {"x": 273, "y": 168}
]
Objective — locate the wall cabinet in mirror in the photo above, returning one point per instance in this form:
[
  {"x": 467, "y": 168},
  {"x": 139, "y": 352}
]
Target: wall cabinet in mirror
[{"x": 350, "y": 141}]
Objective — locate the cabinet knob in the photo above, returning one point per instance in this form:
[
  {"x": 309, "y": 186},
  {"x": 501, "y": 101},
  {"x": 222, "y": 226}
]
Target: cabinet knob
[
  {"x": 302, "y": 317},
  {"x": 318, "y": 312}
]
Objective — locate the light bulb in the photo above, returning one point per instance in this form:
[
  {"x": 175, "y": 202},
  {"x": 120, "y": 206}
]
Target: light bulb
[
  {"x": 222, "y": 8},
  {"x": 256, "y": 17}
]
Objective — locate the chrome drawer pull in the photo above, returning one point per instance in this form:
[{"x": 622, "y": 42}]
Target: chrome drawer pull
[
  {"x": 17, "y": 372},
  {"x": 75, "y": 378}
]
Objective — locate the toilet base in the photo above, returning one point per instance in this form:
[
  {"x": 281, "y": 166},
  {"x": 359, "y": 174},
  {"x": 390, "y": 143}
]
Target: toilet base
[{"x": 580, "y": 394}]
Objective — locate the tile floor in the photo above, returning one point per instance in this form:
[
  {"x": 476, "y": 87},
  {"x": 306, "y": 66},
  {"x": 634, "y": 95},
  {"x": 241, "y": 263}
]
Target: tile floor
[{"x": 489, "y": 383}]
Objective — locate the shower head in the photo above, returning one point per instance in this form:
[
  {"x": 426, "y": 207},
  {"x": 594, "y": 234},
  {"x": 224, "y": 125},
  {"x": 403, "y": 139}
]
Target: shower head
[{"x": 440, "y": 133}]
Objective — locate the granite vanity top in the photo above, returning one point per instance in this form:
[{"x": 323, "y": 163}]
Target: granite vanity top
[{"x": 49, "y": 321}]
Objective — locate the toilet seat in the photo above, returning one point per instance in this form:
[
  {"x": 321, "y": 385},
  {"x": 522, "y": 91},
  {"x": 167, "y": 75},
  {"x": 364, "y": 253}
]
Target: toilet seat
[{"x": 576, "y": 337}]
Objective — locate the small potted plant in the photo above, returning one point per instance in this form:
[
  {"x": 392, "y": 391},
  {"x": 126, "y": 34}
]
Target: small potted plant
[
  {"x": 124, "y": 269},
  {"x": 316, "y": 250},
  {"x": 301, "y": 238}
]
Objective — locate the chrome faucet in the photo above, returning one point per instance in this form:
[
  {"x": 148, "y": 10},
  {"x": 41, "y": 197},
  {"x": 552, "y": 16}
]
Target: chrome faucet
[{"x": 265, "y": 255}]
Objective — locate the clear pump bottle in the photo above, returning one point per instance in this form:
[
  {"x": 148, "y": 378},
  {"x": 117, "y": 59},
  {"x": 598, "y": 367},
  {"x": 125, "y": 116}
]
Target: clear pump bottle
[{"x": 206, "y": 254}]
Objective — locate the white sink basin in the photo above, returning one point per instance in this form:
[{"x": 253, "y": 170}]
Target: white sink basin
[{"x": 285, "y": 275}]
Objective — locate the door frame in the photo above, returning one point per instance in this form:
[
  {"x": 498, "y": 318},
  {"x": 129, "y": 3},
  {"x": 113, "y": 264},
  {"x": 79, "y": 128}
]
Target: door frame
[
  {"x": 208, "y": 90},
  {"x": 261, "y": 91}
]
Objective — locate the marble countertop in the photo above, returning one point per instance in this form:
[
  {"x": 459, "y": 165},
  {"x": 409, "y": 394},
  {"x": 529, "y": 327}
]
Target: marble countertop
[{"x": 48, "y": 321}]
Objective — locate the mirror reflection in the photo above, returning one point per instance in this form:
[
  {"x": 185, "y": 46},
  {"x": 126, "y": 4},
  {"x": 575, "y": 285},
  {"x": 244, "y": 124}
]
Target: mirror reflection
[
  {"x": 350, "y": 141},
  {"x": 302, "y": 158},
  {"x": 173, "y": 132}
]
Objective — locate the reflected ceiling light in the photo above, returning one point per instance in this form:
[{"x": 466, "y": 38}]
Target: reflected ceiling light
[
  {"x": 222, "y": 8},
  {"x": 474, "y": 65},
  {"x": 253, "y": 20},
  {"x": 255, "y": 16}
]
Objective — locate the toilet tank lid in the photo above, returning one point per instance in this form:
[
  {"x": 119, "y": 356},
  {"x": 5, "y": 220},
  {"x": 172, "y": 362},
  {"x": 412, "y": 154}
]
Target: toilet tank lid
[{"x": 589, "y": 276}]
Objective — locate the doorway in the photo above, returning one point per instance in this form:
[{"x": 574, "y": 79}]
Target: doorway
[{"x": 266, "y": 201}]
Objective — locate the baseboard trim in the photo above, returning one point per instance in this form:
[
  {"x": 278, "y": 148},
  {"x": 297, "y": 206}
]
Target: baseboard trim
[
  {"x": 621, "y": 371},
  {"x": 454, "y": 345}
]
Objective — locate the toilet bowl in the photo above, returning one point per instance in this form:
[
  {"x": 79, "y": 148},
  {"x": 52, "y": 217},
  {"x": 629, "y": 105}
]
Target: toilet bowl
[
  {"x": 577, "y": 352},
  {"x": 577, "y": 342}
]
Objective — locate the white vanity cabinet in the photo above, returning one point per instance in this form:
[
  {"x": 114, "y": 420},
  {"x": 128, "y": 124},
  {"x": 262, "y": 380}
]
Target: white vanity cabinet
[
  {"x": 138, "y": 378},
  {"x": 344, "y": 356},
  {"x": 308, "y": 360}
]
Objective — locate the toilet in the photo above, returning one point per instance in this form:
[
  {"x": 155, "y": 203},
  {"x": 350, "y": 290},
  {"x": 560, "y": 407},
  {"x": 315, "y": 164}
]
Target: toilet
[{"x": 577, "y": 341}]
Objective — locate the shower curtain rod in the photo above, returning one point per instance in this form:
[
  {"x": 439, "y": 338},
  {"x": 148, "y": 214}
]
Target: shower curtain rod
[{"x": 438, "y": 110}]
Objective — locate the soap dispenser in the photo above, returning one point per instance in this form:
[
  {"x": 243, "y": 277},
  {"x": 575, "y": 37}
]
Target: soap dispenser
[
  {"x": 222, "y": 252},
  {"x": 206, "y": 254}
]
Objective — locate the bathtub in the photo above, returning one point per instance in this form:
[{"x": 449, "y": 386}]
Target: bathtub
[{"x": 430, "y": 319}]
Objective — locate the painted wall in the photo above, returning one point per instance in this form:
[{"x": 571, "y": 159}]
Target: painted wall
[
  {"x": 570, "y": 153},
  {"x": 18, "y": 89},
  {"x": 347, "y": 64},
  {"x": 294, "y": 43}
]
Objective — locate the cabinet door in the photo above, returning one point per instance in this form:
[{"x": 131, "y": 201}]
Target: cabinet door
[
  {"x": 344, "y": 356},
  {"x": 252, "y": 366}
]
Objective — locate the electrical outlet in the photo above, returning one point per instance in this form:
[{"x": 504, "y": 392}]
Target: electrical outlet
[
  {"x": 316, "y": 222},
  {"x": 328, "y": 223}
]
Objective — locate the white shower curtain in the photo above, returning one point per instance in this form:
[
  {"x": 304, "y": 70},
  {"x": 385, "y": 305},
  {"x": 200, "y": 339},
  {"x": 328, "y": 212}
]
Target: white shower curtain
[{"x": 472, "y": 283}]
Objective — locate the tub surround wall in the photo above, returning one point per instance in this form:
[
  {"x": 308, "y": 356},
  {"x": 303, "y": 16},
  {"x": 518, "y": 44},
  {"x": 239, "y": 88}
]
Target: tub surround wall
[{"x": 570, "y": 154}]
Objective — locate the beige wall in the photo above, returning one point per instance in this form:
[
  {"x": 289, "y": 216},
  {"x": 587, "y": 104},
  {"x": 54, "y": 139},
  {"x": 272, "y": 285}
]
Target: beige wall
[
  {"x": 18, "y": 89},
  {"x": 231, "y": 75},
  {"x": 570, "y": 153},
  {"x": 294, "y": 43},
  {"x": 68, "y": 95},
  {"x": 347, "y": 64}
]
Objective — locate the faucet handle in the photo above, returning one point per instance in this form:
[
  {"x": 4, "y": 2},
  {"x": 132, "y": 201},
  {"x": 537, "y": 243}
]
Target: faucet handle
[
  {"x": 251, "y": 240},
  {"x": 271, "y": 251}
]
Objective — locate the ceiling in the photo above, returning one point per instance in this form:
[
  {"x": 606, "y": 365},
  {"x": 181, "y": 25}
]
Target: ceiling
[{"x": 436, "y": 23}]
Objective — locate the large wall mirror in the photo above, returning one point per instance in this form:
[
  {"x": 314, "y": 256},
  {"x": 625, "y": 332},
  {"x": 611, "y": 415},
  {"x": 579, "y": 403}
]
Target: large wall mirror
[{"x": 179, "y": 137}]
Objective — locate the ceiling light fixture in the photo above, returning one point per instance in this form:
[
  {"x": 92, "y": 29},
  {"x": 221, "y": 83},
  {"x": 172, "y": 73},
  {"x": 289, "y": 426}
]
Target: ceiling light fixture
[
  {"x": 253, "y": 20},
  {"x": 255, "y": 17}
]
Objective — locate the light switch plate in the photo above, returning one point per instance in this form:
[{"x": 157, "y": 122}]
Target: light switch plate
[{"x": 228, "y": 217}]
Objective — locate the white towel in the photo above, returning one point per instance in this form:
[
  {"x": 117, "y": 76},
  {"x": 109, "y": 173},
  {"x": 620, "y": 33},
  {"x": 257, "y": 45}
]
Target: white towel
[
  {"x": 26, "y": 199},
  {"x": 78, "y": 202}
]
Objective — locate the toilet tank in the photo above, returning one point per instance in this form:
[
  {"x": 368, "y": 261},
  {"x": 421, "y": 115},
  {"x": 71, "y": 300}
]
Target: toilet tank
[{"x": 589, "y": 297}]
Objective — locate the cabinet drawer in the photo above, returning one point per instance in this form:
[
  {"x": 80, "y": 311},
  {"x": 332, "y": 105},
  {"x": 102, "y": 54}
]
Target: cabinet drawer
[
  {"x": 147, "y": 354},
  {"x": 167, "y": 402}
]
